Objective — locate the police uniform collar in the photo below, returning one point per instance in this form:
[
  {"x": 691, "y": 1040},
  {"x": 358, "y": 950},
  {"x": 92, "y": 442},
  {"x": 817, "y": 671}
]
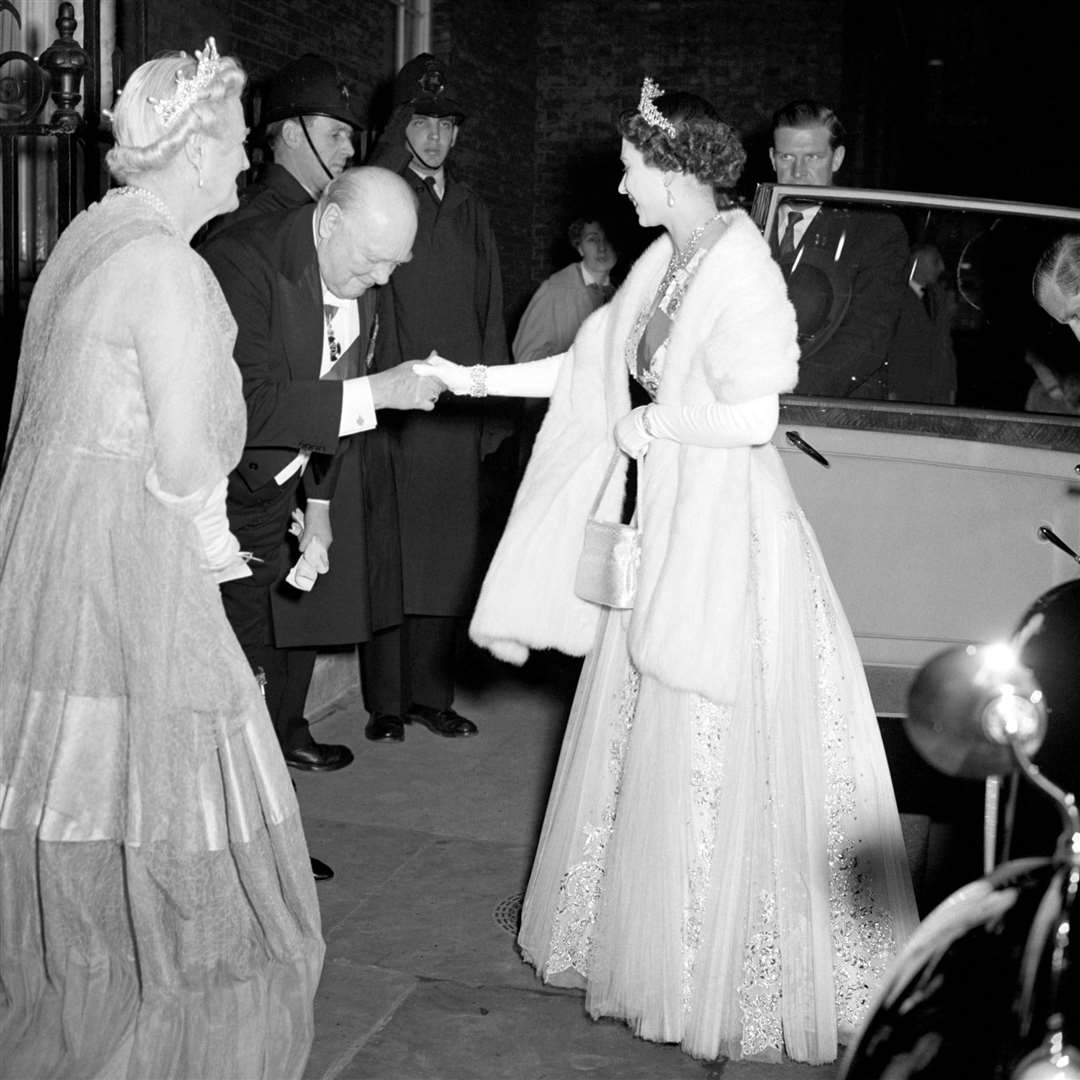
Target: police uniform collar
[{"x": 439, "y": 177}]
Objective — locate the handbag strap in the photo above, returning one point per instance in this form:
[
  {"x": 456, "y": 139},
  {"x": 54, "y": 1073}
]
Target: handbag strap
[{"x": 607, "y": 480}]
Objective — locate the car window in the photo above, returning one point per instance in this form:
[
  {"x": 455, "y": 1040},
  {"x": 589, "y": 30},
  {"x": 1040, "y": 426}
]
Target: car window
[{"x": 922, "y": 299}]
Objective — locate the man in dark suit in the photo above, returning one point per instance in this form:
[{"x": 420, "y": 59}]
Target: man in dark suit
[
  {"x": 922, "y": 362},
  {"x": 845, "y": 267},
  {"x": 298, "y": 286},
  {"x": 307, "y": 120}
]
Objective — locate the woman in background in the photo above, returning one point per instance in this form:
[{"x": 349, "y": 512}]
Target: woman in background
[
  {"x": 157, "y": 909},
  {"x": 721, "y": 863}
]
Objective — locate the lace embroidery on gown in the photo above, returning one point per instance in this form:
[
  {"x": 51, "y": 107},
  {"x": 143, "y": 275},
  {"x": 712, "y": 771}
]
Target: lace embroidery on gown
[{"x": 670, "y": 881}]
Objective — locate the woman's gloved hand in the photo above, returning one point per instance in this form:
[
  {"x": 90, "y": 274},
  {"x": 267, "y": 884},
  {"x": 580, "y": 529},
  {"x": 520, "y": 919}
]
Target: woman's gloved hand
[{"x": 632, "y": 436}]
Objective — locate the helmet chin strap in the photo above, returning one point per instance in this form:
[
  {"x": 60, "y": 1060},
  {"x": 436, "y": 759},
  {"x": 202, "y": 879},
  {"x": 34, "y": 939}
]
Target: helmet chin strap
[
  {"x": 412, "y": 150},
  {"x": 318, "y": 158}
]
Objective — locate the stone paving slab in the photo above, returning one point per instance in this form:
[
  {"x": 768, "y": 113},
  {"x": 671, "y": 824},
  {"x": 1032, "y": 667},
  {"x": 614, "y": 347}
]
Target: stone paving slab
[
  {"x": 364, "y": 862},
  {"x": 435, "y": 917},
  {"x": 443, "y": 1031},
  {"x": 354, "y": 1002},
  {"x": 493, "y": 786}
]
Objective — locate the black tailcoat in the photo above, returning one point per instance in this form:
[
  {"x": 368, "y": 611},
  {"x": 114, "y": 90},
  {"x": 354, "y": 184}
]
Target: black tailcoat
[{"x": 268, "y": 270}]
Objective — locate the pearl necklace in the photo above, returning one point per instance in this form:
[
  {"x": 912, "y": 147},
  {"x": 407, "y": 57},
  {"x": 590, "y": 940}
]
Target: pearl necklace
[{"x": 147, "y": 196}]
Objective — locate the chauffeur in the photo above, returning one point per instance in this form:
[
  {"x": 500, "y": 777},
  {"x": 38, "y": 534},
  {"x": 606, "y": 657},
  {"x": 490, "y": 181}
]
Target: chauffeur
[{"x": 845, "y": 268}]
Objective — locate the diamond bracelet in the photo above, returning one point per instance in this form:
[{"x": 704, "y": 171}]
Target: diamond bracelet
[{"x": 478, "y": 380}]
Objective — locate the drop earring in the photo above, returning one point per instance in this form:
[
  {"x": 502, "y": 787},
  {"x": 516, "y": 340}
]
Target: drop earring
[{"x": 670, "y": 198}]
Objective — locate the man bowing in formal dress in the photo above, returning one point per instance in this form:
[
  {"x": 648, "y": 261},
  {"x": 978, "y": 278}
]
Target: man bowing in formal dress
[{"x": 298, "y": 286}]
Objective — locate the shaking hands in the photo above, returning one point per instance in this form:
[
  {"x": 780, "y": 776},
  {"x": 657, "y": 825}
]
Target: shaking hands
[
  {"x": 403, "y": 387},
  {"x": 454, "y": 377}
]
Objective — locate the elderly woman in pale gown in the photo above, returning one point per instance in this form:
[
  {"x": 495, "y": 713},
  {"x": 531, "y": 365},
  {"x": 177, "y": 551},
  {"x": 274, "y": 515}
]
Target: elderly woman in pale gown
[
  {"x": 157, "y": 910},
  {"x": 721, "y": 863}
]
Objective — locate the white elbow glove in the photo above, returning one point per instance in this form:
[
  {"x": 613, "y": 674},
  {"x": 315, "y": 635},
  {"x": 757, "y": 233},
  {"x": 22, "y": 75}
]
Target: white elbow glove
[
  {"x": 717, "y": 425},
  {"x": 631, "y": 435},
  {"x": 221, "y": 550}
]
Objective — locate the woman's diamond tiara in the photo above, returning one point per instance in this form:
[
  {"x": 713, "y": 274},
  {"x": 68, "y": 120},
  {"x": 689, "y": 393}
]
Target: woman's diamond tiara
[
  {"x": 649, "y": 112},
  {"x": 189, "y": 89}
]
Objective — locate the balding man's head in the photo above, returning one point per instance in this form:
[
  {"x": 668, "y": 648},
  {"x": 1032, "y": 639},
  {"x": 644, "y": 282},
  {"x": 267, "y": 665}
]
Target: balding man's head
[{"x": 366, "y": 224}]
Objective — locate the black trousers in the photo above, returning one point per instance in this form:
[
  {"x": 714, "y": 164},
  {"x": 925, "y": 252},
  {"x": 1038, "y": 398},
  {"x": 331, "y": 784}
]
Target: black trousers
[
  {"x": 287, "y": 671},
  {"x": 410, "y": 664}
]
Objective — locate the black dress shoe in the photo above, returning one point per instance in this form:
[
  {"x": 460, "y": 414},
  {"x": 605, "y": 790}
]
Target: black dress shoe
[
  {"x": 321, "y": 871},
  {"x": 319, "y": 757},
  {"x": 444, "y": 722},
  {"x": 384, "y": 728}
]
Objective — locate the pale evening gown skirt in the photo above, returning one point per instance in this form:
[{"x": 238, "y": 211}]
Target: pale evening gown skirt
[{"x": 730, "y": 878}]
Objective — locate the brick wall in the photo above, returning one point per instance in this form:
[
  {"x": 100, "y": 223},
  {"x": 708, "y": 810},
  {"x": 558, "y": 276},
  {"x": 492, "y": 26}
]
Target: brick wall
[
  {"x": 491, "y": 48},
  {"x": 357, "y": 35}
]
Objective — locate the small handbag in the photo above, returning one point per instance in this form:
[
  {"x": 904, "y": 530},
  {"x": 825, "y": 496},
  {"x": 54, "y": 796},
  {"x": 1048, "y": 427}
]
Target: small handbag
[{"x": 607, "y": 569}]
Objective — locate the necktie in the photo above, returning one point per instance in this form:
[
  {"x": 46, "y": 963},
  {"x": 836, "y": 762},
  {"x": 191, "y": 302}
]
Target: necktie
[
  {"x": 429, "y": 183},
  {"x": 787, "y": 241},
  {"x": 344, "y": 364}
]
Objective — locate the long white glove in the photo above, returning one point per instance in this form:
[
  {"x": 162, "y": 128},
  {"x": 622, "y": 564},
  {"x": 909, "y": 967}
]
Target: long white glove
[
  {"x": 750, "y": 423},
  {"x": 221, "y": 550}
]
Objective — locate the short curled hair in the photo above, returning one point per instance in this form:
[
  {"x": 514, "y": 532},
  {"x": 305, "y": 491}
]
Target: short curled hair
[
  {"x": 143, "y": 143},
  {"x": 577, "y": 229},
  {"x": 1060, "y": 264},
  {"x": 703, "y": 146},
  {"x": 806, "y": 112}
]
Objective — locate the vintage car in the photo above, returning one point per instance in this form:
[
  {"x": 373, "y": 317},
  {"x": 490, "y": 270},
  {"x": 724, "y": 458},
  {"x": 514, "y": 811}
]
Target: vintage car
[{"x": 944, "y": 492}]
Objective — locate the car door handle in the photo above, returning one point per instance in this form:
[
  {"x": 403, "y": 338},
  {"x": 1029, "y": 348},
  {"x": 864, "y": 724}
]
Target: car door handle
[
  {"x": 800, "y": 443},
  {"x": 1044, "y": 532}
]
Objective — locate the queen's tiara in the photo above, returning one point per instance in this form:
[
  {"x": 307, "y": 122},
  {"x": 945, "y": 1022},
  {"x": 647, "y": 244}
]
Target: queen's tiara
[
  {"x": 649, "y": 112},
  {"x": 189, "y": 89}
]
